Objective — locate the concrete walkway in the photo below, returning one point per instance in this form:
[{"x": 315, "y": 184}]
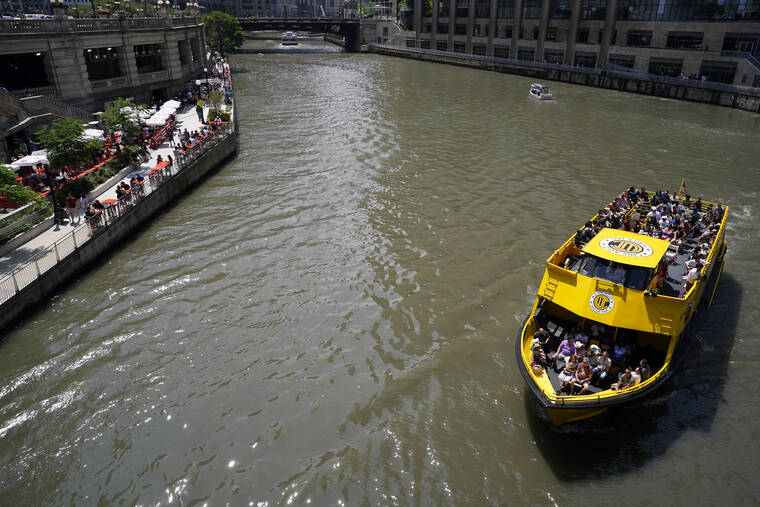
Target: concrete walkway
[{"x": 187, "y": 118}]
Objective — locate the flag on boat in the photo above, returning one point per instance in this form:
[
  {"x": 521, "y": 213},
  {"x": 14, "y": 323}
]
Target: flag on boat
[{"x": 683, "y": 186}]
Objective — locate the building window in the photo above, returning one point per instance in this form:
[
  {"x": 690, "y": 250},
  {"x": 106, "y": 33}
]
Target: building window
[
  {"x": 385, "y": 31},
  {"x": 459, "y": 47},
  {"x": 410, "y": 43},
  {"x": 526, "y": 54},
  {"x": 505, "y": 9},
  {"x": 428, "y": 28},
  {"x": 503, "y": 52},
  {"x": 756, "y": 82},
  {"x": 508, "y": 32},
  {"x": 744, "y": 42},
  {"x": 594, "y": 9},
  {"x": 560, "y": 9},
  {"x": 665, "y": 66},
  {"x": 720, "y": 72},
  {"x": 553, "y": 55},
  {"x": 685, "y": 40},
  {"x": 102, "y": 63},
  {"x": 425, "y": 43},
  {"x": 443, "y": 29},
  {"x": 441, "y": 45},
  {"x": 482, "y": 8},
  {"x": 535, "y": 33},
  {"x": 479, "y": 49},
  {"x": 582, "y": 35},
  {"x": 622, "y": 60},
  {"x": 460, "y": 29},
  {"x": 443, "y": 8},
  {"x": 551, "y": 33},
  {"x": 148, "y": 58},
  {"x": 532, "y": 9},
  {"x": 585, "y": 59},
  {"x": 463, "y": 8},
  {"x": 639, "y": 38}
]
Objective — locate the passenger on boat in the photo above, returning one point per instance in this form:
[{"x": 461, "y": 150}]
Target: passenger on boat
[
  {"x": 542, "y": 337},
  {"x": 603, "y": 365},
  {"x": 626, "y": 380},
  {"x": 568, "y": 373},
  {"x": 581, "y": 337},
  {"x": 620, "y": 352},
  {"x": 691, "y": 277},
  {"x": 538, "y": 358},
  {"x": 566, "y": 349},
  {"x": 644, "y": 369},
  {"x": 582, "y": 378}
]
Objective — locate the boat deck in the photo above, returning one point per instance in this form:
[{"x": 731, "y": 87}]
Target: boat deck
[
  {"x": 559, "y": 329},
  {"x": 674, "y": 284}
]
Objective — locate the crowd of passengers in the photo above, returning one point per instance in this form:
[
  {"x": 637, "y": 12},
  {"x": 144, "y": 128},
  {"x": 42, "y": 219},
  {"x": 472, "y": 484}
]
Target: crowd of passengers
[
  {"x": 669, "y": 218},
  {"x": 583, "y": 360}
]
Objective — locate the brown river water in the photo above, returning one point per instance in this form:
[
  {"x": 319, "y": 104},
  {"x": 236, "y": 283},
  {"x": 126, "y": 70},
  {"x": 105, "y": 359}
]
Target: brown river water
[{"x": 329, "y": 318}]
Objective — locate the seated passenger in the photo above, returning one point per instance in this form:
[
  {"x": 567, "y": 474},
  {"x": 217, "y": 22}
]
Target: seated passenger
[
  {"x": 568, "y": 373},
  {"x": 625, "y": 381},
  {"x": 691, "y": 277},
  {"x": 538, "y": 359},
  {"x": 644, "y": 369},
  {"x": 620, "y": 352},
  {"x": 599, "y": 373},
  {"x": 582, "y": 378},
  {"x": 566, "y": 350}
]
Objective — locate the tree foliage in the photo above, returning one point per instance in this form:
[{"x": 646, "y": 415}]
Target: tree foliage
[
  {"x": 65, "y": 143},
  {"x": 223, "y": 32},
  {"x": 124, "y": 115},
  {"x": 10, "y": 188}
]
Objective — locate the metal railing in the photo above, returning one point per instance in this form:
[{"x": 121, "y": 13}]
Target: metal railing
[
  {"x": 606, "y": 70},
  {"x": 91, "y": 25},
  {"x": 33, "y": 92},
  {"x": 12, "y": 229},
  {"x": 31, "y": 269},
  {"x": 743, "y": 54}
]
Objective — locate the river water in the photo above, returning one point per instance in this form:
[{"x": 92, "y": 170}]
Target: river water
[{"x": 330, "y": 317}]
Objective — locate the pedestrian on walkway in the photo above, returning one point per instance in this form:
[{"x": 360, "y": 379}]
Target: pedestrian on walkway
[
  {"x": 71, "y": 207},
  {"x": 82, "y": 204},
  {"x": 199, "y": 110}
]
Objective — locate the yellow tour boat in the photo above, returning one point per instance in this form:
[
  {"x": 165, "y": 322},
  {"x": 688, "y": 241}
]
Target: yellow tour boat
[{"x": 610, "y": 323}]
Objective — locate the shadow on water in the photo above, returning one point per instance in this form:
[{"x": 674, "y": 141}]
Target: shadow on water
[{"x": 633, "y": 436}]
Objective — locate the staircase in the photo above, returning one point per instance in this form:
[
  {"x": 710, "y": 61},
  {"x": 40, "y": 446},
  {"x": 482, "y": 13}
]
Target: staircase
[{"x": 42, "y": 104}]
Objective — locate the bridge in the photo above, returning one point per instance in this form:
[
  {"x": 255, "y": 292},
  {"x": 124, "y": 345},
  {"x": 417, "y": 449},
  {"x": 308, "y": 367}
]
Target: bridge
[{"x": 346, "y": 27}]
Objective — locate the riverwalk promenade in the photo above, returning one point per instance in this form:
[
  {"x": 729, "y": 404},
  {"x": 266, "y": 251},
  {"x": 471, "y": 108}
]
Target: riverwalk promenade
[{"x": 34, "y": 269}]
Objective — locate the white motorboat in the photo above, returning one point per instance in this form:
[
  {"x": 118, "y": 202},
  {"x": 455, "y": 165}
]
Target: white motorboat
[
  {"x": 540, "y": 92},
  {"x": 289, "y": 39}
]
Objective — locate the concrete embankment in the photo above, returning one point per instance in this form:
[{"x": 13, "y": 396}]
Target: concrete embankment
[
  {"x": 747, "y": 99},
  {"x": 106, "y": 239}
]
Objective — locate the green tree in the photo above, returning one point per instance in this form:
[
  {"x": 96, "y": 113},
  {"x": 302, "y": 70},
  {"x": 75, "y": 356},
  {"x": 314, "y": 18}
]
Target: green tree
[
  {"x": 10, "y": 188},
  {"x": 215, "y": 98},
  {"x": 223, "y": 32},
  {"x": 65, "y": 143},
  {"x": 123, "y": 115}
]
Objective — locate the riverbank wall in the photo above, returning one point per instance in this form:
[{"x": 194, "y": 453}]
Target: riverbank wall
[
  {"x": 745, "y": 98},
  {"x": 105, "y": 239}
]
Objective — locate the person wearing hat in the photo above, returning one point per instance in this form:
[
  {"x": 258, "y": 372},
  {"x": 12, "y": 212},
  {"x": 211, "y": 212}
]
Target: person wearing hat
[{"x": 538, "y": 358}]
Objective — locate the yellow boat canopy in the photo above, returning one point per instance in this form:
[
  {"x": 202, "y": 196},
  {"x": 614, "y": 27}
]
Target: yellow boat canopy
[{"x": 627, "y": 248}]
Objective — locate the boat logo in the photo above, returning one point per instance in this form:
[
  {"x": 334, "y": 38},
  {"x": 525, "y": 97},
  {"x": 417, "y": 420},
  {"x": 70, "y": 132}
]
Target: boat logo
[
  {"x": 626, "y": 246},
  {"x": 601, "y": 302}
]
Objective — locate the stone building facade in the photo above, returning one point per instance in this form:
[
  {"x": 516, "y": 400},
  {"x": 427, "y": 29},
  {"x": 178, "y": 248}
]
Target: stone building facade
[{"x": 677, "y": 38}]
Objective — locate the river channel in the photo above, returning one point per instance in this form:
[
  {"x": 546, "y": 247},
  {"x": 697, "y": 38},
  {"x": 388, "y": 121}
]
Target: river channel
[{"x": 329, "y": 318}]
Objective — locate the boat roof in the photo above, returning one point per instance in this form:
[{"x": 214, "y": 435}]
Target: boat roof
[
  {"x": 626, "y": 247},
  {"x": 538, "y": 85}
]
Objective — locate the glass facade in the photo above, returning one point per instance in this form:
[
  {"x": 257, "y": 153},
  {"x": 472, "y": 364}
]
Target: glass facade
[
  {"x": 443, "y": 8},
  {"x": 593, "y": 9},
  {"x": 639, "y": 38},
  {"x": 463, "y": 8},
  {"x": 505, "y": 9},
  {"x": 482, "y": 8},
  {"x": 531, "y": 9},
  {"x": 685, "y": 40},
  {"x": 560, "y": 9}
]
